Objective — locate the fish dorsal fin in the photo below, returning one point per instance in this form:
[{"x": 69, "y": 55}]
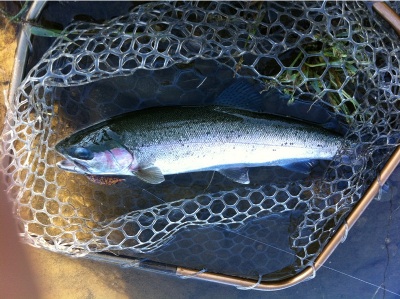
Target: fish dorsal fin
[
  {"x": 151, "y": 175},
  {"x": 239, "y": 175},
  {"x": 241, "y": 94}
]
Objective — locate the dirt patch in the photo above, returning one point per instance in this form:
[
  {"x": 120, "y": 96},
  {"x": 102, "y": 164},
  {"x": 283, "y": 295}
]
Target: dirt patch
[
  {"x": 8, "y": 45},
  {"x": 56, "y": 275}
]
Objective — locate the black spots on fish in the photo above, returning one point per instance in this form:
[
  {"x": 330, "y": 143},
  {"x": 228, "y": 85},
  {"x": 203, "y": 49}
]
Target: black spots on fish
[{"x": 287, "y": 144}]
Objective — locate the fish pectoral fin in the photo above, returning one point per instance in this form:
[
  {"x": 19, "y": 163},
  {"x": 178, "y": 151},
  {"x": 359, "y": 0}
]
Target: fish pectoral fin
[
  {"x": 151, "y": 175},
  {"x": 239, "y": 175}
]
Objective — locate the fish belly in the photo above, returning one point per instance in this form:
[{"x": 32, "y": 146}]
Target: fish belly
[{"x": 217, "y": 156}]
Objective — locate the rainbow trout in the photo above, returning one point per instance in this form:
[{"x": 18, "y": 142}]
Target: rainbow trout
[{"x": 155, "y": 142}]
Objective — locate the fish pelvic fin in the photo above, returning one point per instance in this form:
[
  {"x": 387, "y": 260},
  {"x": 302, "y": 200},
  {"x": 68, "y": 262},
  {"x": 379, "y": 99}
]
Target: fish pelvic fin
[
  {"x": 151, "y": 175},
  {"x": 239, "y": 175}
]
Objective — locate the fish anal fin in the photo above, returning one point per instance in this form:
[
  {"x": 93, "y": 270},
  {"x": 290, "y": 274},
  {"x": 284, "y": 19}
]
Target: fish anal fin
[
  {"x": 151, "y": 175},
  {"x": 300, "y": 167},
  {"x": 239, "y": 175}
]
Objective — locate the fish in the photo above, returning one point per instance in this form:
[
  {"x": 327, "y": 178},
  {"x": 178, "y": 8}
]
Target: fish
[{"x": 155, "y": 142}]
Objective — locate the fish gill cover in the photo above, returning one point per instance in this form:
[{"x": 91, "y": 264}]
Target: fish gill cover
[{"x": 334, "y": 64}]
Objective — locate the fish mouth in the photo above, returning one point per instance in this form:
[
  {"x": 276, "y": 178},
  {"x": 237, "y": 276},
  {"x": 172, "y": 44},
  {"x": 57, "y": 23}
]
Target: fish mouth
[{"x": 71, "y": 166}]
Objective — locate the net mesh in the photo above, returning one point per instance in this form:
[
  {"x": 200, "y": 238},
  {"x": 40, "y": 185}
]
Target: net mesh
[{"x": 338, "y": 56}]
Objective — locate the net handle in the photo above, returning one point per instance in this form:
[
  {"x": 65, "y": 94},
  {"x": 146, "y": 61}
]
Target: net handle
[
  {"x": 386, "y": 12},
  {"x": 310, "y": 271}
]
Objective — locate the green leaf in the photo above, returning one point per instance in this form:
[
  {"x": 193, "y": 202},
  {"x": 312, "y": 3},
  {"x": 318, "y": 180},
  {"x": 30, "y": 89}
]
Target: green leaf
[
  {"x": 40, "y": 31},
  {"x": 21, "y": 12}
]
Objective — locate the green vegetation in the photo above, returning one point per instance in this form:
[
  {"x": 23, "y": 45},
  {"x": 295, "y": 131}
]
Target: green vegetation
[
  {"x": 33, "y": 28},
  {"x": 325, "y": 68}
]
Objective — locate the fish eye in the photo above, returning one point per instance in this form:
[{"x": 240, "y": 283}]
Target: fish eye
[{"x": 83, "y": 153}]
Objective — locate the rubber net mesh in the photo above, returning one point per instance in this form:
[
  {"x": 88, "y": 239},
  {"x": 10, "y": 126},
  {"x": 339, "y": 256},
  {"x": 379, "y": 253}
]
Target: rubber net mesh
[{"x": 338, "y": 57}]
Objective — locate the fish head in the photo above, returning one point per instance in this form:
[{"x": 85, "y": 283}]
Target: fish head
[{"x": 95, "y": 153}]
